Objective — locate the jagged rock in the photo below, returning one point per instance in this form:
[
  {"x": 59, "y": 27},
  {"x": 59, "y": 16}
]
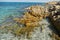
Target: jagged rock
[
  {"x": 32, "y": 16},
  {"x": 31, "y": 19},
  {"x": 38, "y": 11},
  {"x": 54, "y": 11}
]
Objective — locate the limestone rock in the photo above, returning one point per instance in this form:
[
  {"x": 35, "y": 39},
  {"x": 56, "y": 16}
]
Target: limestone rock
[
  {"x": 37, "y": 11},
  {"x": 54, "y": 11},
  {"x": 31, "y": 19}
]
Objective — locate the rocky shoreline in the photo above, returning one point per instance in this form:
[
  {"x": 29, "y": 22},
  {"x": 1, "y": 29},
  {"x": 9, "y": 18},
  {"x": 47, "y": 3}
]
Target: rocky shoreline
[
  {"x": 34, "y": 21},
  {"x": 54, "y": 11}
]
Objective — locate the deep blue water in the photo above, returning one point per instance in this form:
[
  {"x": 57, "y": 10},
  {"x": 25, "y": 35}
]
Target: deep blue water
[{"x": 14, "y": 8}]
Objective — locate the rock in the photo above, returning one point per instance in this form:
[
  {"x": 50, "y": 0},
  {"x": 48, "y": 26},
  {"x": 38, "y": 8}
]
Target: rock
[
  {"x": 31, "y": 19},
  {"x": 54, "y": 11},
  {"x": 53, "y": 2},
  {"x": 37, "y": 11},
  {"x": 57, "y": 7}
]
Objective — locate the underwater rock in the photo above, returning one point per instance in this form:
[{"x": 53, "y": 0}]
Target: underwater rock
[{"x": 31, "y": 19}]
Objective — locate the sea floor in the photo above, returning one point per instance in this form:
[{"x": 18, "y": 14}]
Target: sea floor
[{"x": 38, "y": 34}]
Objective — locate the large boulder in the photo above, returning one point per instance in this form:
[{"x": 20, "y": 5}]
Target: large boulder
[{"x": 54, "y": 11}]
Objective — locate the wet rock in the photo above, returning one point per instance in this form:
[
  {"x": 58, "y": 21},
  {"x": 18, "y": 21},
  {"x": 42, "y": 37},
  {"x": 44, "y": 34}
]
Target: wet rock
[{"x": 31, "y": 19}]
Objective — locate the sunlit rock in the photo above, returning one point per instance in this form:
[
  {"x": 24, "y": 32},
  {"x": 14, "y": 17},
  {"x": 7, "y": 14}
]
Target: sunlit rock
[
  {"x": 30, "y": 19},
  {"x": 52, "y": 3}
]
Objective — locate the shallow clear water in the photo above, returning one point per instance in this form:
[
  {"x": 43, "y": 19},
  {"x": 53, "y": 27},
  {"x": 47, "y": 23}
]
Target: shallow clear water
[
  {"x": 14, "y": 9},
  {"x": 37, "y": 34}
]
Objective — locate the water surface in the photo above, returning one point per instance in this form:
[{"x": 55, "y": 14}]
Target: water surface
[{"x": 14, "y": 9}]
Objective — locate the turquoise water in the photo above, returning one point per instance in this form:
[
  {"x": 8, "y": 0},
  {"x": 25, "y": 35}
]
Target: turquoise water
[{"x": 14, "y": 9}]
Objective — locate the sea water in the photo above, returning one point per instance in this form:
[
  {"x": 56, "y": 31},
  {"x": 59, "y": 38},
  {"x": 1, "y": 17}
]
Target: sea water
[
  {"x": 14, "y": 9},
  {"x": 17, "y": 9}
]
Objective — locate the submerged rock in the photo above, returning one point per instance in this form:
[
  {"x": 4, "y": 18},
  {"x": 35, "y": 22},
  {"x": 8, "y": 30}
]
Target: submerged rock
[{"x": 31, "y": 19}]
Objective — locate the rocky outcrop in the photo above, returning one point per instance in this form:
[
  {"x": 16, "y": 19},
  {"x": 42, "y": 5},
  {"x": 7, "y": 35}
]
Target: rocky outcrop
[
  {"x": 37, "y": 11},
  {"x": 54, "y": 11},
  {"x": 30, "y": 19}
]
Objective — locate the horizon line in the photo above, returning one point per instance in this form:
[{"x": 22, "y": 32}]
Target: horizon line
[{"x": 37, "y": 2}]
